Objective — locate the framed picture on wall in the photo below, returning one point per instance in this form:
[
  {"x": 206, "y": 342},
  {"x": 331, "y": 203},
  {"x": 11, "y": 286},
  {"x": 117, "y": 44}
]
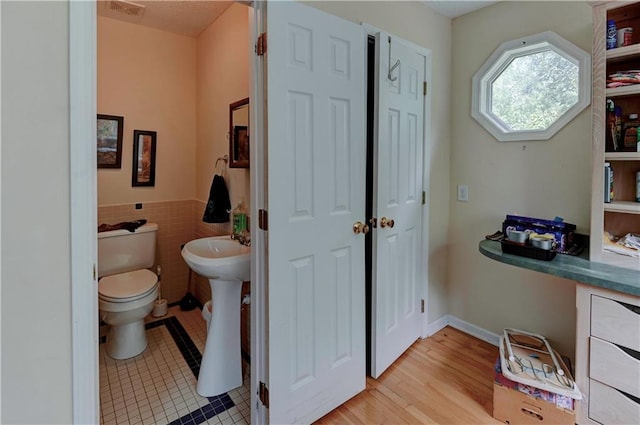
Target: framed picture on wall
[
  {"x": 144, "y": 158},
  {"x": 239, "y": 134},
  {"x": 240, "y": 147},
  {"x": 109, "y": 141}
]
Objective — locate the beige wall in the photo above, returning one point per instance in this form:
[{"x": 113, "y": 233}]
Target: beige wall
[
  {"x": 36, "y": 263},
  {"x": 148, "y": 77},
  {"x": 541, "y": 179},
  {"x": 222, "y": 78},
  {"x": 420, "y": 25}
]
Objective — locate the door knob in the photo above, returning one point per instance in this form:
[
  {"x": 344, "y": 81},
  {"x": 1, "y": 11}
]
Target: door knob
[
  {"x": 387, "y": 222},
  {"x": 360, "y": 227}
]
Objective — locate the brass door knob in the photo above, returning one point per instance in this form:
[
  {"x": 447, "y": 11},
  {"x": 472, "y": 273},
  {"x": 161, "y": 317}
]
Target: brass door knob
[
  {"x": 360, "y": 227},
  {"x": 387, "y": 222}
]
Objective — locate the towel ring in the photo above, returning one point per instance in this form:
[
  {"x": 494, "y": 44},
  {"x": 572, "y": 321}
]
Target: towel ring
[{"x": 225, "y": 160}]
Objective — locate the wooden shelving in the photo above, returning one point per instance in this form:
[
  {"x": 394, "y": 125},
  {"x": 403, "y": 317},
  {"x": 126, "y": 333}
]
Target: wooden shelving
[
  {"x": 624, "y": 91},
  {"x": 621, "y": 260},
  {"x": 623, "y": 53},
  {"x": 622, "y": 156},
  {"x": 626, "y": 207},
  {"x": 623, "y": 215}
]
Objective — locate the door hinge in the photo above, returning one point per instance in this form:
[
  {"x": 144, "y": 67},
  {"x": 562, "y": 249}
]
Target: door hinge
[
  {"x": 263, "y": 394},
  {"x": 424, "y": 88},
  {"x": 261, "y": 44},
  {"x": 94, "y": 272},
  {"x": 421, "y": 306},
  {"x": 263, "y": 220},
  {"x": 424, "y": 198}
]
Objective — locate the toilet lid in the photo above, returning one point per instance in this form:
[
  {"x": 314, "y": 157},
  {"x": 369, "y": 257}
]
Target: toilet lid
[{"x": 127, "y": 285}]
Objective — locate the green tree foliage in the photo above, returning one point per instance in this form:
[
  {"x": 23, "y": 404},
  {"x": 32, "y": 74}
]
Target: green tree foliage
[{"x": 535, "y": 90}]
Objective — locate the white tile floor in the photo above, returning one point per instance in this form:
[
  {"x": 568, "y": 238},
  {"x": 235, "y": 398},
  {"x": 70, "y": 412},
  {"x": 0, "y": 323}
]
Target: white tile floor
[{"x": 159, "y": 387}]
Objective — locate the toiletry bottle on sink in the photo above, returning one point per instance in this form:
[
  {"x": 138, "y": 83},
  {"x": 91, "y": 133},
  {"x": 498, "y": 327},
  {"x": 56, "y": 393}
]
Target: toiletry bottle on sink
[{"x": 239, "y": 219}]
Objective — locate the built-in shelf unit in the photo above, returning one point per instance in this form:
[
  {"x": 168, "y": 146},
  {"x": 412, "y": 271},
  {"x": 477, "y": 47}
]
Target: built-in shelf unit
[{"x": 622, "y": 215}]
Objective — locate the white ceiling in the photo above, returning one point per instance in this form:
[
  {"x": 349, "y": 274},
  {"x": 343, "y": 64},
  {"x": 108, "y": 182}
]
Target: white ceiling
[
  {"x": 186, "y": 17},
  {"x": 191, "y": 17},
  {"x": 455, "y": 8}
]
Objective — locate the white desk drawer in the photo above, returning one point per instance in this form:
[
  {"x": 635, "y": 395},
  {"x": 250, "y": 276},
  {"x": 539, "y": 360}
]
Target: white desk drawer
[
  {"x": 613, "y": 366},
  {"x": 613, "y": 322},
  {"x": 609, "y": 406}
]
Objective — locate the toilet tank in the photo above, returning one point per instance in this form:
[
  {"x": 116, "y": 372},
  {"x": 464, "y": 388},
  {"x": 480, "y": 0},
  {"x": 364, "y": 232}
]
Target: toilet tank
[{"x": 121, "y": 251}]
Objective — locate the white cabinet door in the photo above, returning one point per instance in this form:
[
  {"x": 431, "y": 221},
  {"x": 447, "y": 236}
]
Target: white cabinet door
[
  {"x": 316, "y": 191},
  {"x": 397, "y": 249}
]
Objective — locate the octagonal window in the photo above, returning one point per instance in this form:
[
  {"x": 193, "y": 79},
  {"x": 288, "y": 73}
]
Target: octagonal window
[{"x": 530, "y": 88}]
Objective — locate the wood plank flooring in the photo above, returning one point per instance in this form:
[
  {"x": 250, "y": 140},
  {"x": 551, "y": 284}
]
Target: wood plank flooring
[{"x": 444, "y": 379}]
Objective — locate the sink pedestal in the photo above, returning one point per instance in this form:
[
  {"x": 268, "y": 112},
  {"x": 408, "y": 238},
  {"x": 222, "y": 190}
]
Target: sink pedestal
[
  {"x": 221, "y": 366},
  {"x": 226, "y": 263}
]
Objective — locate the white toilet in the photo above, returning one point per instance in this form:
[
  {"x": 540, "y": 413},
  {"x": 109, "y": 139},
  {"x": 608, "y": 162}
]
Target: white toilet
[{"x": 126, "y": 289}]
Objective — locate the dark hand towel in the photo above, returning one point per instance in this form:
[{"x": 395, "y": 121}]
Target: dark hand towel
[
  {"x": 128, "y": 225},
  {"x": 219, "y": 203}
]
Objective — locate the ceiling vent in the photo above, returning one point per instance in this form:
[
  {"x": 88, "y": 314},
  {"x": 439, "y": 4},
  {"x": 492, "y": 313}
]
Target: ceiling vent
[{"x": 125, "y": 7}]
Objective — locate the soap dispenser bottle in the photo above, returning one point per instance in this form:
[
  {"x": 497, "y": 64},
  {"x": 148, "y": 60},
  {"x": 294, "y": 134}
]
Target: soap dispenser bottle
[{"x": 239, "y": 219}]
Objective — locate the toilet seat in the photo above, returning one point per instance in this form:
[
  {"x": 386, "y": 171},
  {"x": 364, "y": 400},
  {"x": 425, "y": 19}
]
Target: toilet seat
[{"x": 127, "y": 287}]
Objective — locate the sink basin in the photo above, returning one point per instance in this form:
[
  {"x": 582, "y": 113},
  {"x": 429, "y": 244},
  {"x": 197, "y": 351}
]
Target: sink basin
[
  {"x": 226, "y": 263},
  {"x": 218, "y": 257}
]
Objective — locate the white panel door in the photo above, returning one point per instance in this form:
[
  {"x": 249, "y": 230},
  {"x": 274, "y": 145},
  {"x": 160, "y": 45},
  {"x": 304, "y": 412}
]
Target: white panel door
[
  {"x": 316, "y": 191},
  {"x": 397, "y": 258}
]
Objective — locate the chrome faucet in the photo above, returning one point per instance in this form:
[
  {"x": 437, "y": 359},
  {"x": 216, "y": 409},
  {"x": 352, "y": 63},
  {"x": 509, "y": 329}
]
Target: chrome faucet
[{"x": 243, "y": 237}]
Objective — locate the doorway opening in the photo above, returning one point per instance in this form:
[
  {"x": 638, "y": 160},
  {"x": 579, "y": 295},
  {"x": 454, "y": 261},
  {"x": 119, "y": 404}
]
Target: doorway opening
[{"x": 183, "y": 88}]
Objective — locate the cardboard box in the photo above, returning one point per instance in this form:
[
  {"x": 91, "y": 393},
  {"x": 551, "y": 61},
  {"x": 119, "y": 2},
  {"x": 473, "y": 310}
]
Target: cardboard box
[
  {"x": 561, "y": 401},
  {"x": 513, "y": 407},
  {"x": 515, "y": 403}
]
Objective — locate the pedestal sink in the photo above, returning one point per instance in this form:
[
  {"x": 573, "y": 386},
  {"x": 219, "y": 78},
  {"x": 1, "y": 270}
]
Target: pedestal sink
[{"x": 226, "y": 263}]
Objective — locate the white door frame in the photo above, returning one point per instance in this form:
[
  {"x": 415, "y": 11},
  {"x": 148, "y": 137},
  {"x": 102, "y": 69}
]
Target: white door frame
[
  {"x": 426, "y": 179},
  {"x": 259, "y": 348},
  {"x": 84, "y": 205}
]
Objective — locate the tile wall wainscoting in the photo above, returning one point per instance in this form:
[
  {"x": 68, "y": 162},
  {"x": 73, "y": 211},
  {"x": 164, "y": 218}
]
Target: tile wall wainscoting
[{"x": 179, "y": 222}]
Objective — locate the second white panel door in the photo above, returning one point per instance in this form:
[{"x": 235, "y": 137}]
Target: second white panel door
[{"x": 397, "y": 240}]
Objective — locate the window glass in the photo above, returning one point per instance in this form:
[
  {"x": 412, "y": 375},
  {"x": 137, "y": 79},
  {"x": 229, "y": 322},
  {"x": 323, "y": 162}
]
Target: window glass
[{"x": 535, "y": 90}]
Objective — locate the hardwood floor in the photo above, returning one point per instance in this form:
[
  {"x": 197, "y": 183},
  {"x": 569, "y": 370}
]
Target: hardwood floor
[{"x": 444, "y": 379}]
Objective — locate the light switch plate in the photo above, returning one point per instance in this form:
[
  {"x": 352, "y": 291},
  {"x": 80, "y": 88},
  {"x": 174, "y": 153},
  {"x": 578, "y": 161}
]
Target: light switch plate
[{"x": 463, "y": 192}]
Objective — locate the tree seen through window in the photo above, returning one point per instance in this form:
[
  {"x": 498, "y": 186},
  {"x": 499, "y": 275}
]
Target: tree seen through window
[{"x": 535, "y": 90}]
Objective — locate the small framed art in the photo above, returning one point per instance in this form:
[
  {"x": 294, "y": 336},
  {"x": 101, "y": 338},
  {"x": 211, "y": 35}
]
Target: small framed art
[
  {"x": 109, "y": 141},
  {"x": 144, "y": 158}
]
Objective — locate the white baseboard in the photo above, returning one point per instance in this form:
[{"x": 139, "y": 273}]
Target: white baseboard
[
  {"x": 477, "y": 331},
  {"x": 461, "y": 325},
  {"x": 437, "y": 325}
]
